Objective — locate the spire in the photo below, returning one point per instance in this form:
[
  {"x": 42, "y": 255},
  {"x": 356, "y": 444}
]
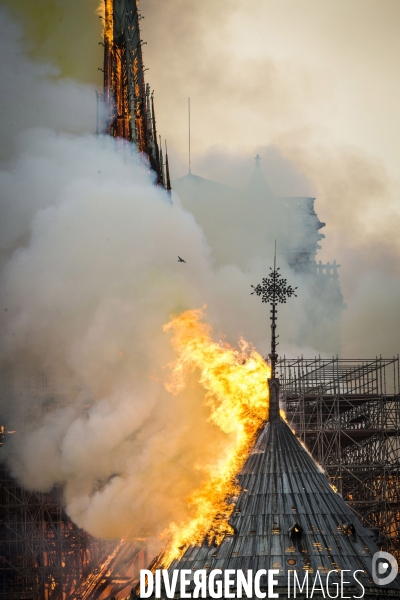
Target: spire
[
  {"x": 162, "y": 178},
  {"x": 128, "y": 103},
  {"x": 108, "y": 43},
  {"x": 149, "y": 113},
  {"x": 124, "y": 85},
  {"x": 156, "y": 149},
  {"x": 167, "y": 179},
  {"x": 258, "y": 186},
  {"x": 288, "y": 518},
  {"x": 274, "y": 290}
]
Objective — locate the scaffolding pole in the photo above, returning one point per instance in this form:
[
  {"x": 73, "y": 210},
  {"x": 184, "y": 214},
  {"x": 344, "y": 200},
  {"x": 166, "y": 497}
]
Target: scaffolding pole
[{"x": 347, "y": 412}]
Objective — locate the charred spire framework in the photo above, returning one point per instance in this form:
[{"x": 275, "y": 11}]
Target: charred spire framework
[{"x": 129, "y": 112}]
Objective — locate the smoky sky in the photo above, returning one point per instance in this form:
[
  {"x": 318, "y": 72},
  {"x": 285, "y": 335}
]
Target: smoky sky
[
  {"x": 315, "y": 82},
  {"x": 89, "y": 275}
]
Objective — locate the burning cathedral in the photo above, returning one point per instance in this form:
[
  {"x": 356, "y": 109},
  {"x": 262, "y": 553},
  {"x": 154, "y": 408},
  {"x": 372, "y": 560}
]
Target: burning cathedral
[
  {"x": 290, "y": 534},
  {"x": 127, "y": 111},
  {"x": 296, "y": 527},
  {"x": 288, "y": 519}
]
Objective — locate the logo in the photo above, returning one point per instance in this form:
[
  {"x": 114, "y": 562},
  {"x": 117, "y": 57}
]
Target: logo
[{"x": 384, "y": 568}]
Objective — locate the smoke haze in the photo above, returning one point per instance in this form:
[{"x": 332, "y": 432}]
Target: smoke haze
[
  {"x": 89, "y": 277},
  {"x": 89, "y": 246},
  {"x": 316, "y": 80}
]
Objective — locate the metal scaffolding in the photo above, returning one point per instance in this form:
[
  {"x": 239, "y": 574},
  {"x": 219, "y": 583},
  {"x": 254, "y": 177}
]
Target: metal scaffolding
[
  {"x": 43, "y": 554},
  {"x": 347, "y": 412},
  {"x": 118, "y": 573}
]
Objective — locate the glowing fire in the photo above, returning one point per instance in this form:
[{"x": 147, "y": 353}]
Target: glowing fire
[
  {"x": 235, "y": 381},
  {"x": 105, "y": 11}
]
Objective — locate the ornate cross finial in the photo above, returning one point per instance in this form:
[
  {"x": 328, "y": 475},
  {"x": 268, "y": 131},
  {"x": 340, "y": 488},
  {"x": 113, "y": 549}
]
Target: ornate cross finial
[
  {"x": 274, "y": 289},
  {"x": 257, "y": 159}
]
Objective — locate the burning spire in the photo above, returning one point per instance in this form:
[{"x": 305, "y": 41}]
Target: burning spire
[
  {"x": 129, "y": 103},
  {"x": 281, "y": 513},
  {"x": 167, "y": 179},
  {"x": 237, "y": 396},
  {"x": 287, "y": 518}
]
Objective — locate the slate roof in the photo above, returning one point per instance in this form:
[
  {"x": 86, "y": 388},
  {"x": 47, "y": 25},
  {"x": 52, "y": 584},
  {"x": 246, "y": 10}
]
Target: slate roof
[{"x": 281, "y": 485}]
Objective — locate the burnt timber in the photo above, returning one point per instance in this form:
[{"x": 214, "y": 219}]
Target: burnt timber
[{"x": 128, "y": 100}]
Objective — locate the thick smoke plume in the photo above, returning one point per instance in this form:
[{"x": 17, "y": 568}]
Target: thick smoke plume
[{"x": 89, "y": 277}]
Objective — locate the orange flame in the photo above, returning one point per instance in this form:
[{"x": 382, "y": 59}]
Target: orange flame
[
  {"x": 235, "y": 381},
  {"x": 105, "y": 11}
]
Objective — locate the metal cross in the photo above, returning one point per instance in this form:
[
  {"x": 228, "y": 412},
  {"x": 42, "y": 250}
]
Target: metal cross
[{"x": 274, "y": 289}]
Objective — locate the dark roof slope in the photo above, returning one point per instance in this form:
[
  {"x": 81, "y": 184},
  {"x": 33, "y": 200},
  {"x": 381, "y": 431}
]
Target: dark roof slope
[{"x": 282, "y": 486}]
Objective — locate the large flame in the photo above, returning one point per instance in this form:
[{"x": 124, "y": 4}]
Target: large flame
[
  {"x": 105, "y": 11},
  {"x": 235, "y": 381}
]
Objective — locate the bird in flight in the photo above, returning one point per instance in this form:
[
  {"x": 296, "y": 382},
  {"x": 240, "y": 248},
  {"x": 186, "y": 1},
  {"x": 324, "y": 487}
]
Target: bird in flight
[{"x": 181, "y": 259}]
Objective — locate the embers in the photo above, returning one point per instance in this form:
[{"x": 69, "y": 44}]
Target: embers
[
  {"x": 295, "y": 532},
  {"x": 349, "y": 530}
]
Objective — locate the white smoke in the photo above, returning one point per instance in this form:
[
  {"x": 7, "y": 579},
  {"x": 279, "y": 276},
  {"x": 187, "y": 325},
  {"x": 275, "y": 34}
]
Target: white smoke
[
  {"x": 89, "y": 276},
  {"x": 86, "y": 299}
]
